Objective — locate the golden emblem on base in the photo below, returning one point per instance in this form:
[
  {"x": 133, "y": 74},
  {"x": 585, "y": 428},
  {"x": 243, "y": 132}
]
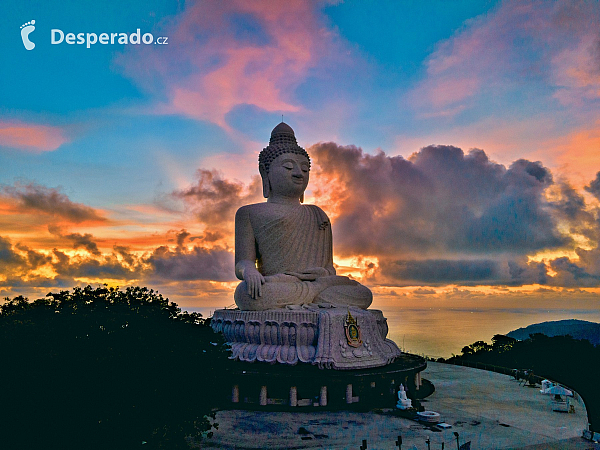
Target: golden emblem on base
[{"x": 352, "y": 328}]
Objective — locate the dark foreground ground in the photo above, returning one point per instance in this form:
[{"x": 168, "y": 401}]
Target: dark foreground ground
[{"x": 491, "y": 410}]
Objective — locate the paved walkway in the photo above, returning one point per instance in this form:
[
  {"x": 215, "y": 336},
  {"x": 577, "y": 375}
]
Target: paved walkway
[{"x": 489, "y": 409}]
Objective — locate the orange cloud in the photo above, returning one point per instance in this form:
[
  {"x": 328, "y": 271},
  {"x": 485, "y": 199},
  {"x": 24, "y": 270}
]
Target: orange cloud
[
  {"x": 577, "y": 153},
  {"x": 31, "y": 137}
]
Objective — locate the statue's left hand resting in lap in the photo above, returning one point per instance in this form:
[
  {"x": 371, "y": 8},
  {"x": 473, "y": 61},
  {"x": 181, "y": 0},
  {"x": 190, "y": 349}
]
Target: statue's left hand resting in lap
[{"x": 283, "y": 249}]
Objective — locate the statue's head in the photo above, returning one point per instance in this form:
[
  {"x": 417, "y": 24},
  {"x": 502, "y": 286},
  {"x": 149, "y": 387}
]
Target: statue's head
[{"x": 284, "y": 165}]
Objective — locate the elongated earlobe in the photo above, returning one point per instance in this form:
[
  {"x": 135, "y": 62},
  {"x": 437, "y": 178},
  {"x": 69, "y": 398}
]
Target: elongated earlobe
[
  {"x": 266, "y": 185},
  {"x": 266, "y": 188}
]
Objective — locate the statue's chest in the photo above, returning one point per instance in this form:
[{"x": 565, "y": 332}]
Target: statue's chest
[
  {"x": 276, "y": 217},
  {"x": 277, "y": 225},
  {"x": 269, "y": 217}
]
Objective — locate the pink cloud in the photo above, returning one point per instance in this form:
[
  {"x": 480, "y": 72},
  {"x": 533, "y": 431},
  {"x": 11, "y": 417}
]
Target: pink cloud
[
  {"x": 553, "y": 42},
  {"x": 575, "y": 71},
  {"x": 31, "y": 137},
  {"x": 214, "y": 63}
]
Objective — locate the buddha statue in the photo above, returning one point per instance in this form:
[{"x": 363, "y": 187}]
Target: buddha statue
[{"x": 283, "y": 248}]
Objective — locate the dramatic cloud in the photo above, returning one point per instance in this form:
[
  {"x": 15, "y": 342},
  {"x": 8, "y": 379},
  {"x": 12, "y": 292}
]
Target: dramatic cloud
[
  {"x": 34, "y": 259},
  {"x": 570, "y": 209},
  {"x": 35, "y": 198},
  {"x": 8, "y": 257},
  {"x": 594, "y": 186},
  {"x": 524, "y": 272},
  {"x": 439, "y": 201},
  {"x": 227, "y": 54},
  {"x": 214, "y": 200},
  {"x": 196, "y": 264},
  {"x": 79, "y": 240},
  {"x": 30, "y": 137},
  {"x": 442, "y": 272},
  {"x": 443, "y": 217},
  {"x": 20, "y": 265},
  {"x": 106, "y": 267},
  {"x": 571, "y": 274}
]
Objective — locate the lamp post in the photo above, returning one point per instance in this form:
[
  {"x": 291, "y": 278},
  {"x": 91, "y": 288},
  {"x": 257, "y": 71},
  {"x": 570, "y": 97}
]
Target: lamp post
[{"x": 399, "y": 442}]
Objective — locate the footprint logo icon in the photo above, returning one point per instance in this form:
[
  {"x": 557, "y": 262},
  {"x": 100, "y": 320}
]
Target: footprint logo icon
[{"x": 26, "y": 29}]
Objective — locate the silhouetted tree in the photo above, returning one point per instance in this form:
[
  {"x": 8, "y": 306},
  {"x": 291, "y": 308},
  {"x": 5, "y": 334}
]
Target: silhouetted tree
[
  {"x": 479, "y": 346},
  {"x": 467, "y": 350},
  {"x": 106, "y": 368},
  {"x": 502, "y": 343}
]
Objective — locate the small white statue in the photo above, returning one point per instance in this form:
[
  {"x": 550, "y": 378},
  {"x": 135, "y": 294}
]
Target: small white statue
[{"x": 403, "y": 401}]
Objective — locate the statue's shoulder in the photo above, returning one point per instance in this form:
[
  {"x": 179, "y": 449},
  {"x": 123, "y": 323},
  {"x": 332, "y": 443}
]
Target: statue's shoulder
[
  {"x": 318, "y": 211},
  {"x": 246, "y": 209},
  {"x": 253, "y": 210}
]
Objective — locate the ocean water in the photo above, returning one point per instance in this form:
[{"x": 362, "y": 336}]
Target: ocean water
[{"x": 443, "y": 331}]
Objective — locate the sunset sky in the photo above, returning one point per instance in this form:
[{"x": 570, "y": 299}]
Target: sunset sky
[{"x": 455, "y": 145}]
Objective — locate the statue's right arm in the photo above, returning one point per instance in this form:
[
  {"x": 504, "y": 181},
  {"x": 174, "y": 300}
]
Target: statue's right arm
[{"x": 245, "y": 253}]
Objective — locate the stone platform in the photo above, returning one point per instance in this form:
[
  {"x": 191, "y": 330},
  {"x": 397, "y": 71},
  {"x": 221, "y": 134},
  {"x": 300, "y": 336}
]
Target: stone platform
[
  {"x": 330, "y": 338},
  {"x": 315, "y": 357}
]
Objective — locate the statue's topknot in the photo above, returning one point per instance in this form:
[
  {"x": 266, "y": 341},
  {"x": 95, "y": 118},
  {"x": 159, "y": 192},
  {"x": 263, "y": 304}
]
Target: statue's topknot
[{"x": 283, "y": 140}]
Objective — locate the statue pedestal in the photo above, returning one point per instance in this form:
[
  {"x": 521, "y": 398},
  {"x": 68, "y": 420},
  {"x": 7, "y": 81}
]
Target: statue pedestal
[
  {"x": 332, "y": 358},
  {"x": 330, "y": 338}
]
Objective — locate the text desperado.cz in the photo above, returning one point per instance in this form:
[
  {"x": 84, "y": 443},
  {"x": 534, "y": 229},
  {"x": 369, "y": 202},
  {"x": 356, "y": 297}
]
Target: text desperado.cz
[{"x": 58, "y": 36}]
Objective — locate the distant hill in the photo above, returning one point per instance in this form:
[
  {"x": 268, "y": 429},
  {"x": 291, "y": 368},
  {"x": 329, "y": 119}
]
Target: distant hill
[{"x": 577, "y": 329}]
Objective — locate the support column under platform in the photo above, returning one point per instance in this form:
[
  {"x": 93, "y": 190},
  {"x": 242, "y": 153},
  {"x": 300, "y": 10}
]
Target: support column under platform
[{"x": 306, "y": 386}]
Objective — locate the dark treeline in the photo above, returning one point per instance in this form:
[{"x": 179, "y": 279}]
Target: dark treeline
[
  {"x": 571, "y": 362},
  {"x": 106, "y": 368}
]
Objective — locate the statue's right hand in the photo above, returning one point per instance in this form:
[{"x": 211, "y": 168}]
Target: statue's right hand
[{"x": 254, "y": 281}]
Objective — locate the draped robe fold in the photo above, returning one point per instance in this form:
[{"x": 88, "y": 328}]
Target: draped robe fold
[{"x": 297, "y": 241}]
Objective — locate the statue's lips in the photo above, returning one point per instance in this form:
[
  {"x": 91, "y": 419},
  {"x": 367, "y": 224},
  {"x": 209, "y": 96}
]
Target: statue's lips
[{"x": 298, "y": 180}]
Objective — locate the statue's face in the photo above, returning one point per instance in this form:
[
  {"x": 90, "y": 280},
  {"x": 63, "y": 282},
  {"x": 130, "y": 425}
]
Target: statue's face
[{"x": 288, "y": 175}]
